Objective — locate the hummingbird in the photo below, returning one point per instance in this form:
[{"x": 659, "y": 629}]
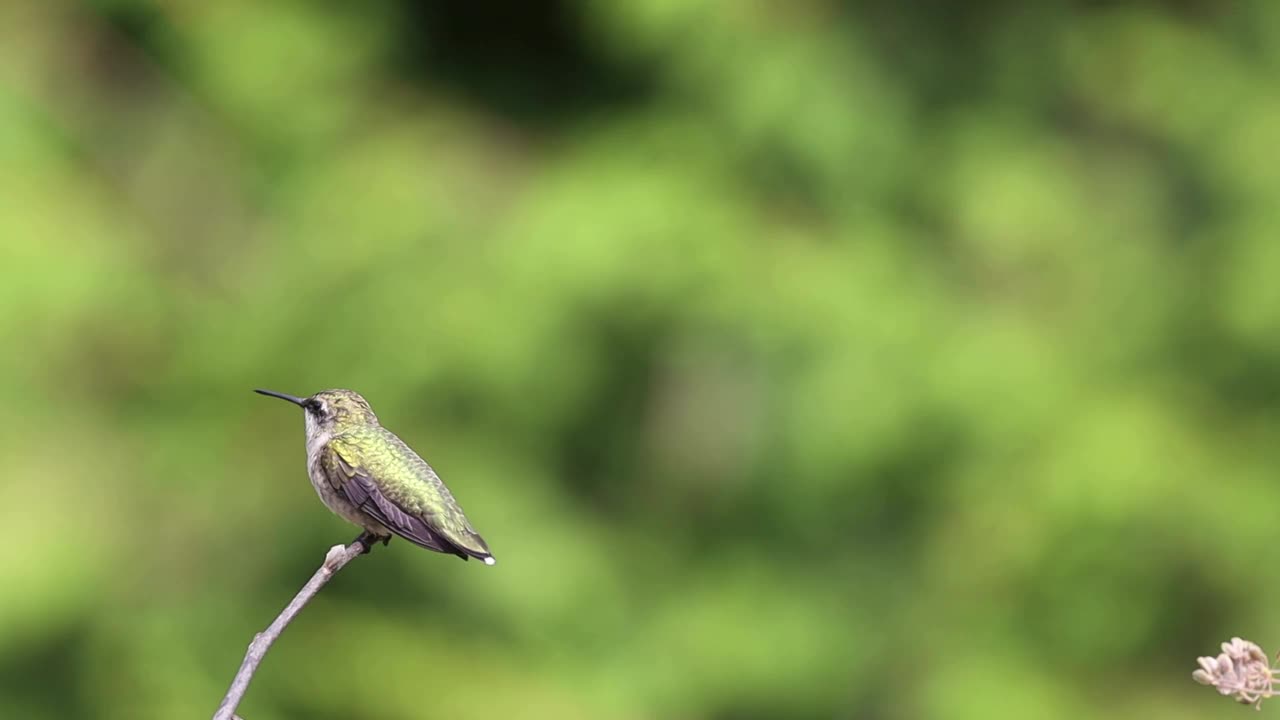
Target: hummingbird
[{"x": 371, "y": 478}]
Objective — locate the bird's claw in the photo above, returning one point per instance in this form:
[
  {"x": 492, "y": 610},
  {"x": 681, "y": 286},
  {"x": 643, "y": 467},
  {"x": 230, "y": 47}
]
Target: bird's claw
[{"x": 368, "y": 539}]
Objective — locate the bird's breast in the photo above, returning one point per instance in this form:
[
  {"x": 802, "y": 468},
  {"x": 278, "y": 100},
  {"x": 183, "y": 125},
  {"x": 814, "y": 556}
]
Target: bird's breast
[{"x": 316, "y": 444}]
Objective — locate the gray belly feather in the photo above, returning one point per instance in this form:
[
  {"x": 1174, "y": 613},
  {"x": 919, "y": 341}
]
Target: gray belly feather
[{"x": 330, "y": 496}]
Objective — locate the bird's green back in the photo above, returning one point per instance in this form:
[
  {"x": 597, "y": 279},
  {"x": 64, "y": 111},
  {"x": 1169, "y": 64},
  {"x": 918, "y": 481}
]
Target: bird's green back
[{"x": 406, "y": 480}]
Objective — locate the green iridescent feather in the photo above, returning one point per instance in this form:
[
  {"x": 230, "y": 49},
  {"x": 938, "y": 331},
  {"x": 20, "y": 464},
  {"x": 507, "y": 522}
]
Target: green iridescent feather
[{"x": 405, "y": 479}]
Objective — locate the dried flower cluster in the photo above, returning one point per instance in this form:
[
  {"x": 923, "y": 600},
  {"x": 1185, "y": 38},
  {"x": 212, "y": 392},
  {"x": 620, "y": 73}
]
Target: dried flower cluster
[{"x": 1241, "y": 670}]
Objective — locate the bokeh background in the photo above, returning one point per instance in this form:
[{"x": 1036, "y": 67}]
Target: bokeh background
[{"x": 798, "y": 359}]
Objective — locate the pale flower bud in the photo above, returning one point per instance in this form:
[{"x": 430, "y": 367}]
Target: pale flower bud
[{"x": 1241, "y": 671}]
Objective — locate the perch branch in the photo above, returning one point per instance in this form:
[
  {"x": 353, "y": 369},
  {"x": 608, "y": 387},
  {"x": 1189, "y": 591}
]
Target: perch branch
[{"x": 334, "y": 561}]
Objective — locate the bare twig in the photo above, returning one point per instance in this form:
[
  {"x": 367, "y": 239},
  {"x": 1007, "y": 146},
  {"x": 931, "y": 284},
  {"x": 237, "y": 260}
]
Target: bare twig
[{"x": 334, "y": 561}]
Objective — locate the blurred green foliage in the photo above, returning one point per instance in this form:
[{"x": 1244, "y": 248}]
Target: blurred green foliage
[{"x": 797, "y": 359}]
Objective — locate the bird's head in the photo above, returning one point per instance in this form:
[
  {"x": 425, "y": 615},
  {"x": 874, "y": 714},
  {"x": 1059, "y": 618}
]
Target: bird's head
[{"x": 331, "y": 410}]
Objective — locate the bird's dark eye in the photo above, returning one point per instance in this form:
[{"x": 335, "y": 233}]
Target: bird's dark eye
[{"x": 316, "y": 408}]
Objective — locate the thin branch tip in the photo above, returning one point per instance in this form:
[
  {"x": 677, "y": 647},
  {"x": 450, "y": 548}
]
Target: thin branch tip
[
  {"x": 337, "y": 558},
  {"x": 334, "y": 557}
]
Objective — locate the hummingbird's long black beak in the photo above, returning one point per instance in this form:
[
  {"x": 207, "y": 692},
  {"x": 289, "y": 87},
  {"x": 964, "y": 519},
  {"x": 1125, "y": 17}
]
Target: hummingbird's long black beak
[{"x": 272, "y": 393}]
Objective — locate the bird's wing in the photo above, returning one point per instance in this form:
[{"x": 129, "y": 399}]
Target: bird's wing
[
  {"x": 422, "y": 493},
  {"x": 360, "y": 490}
]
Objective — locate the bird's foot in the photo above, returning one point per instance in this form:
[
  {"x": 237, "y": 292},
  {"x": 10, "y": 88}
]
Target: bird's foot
[{"x": 368, "y": 539}]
